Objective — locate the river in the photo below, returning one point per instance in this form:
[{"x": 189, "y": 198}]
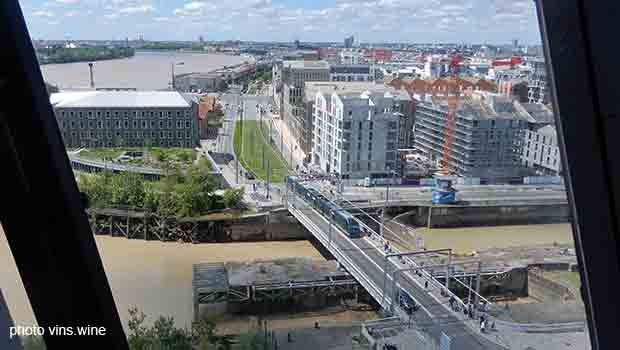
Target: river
[
  {"x": 154, "y": 276},
  {"x": 144, "y": 71}
]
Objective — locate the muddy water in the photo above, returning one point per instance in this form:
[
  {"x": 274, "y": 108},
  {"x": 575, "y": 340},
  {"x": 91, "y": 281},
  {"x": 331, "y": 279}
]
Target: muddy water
[{"x": 154, "y": 276}]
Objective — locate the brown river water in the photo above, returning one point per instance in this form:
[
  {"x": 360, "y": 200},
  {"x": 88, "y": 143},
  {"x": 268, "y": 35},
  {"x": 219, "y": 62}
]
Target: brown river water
[
  {"x": 144, "y": 71},
  {"x": 154, "y": 276}
]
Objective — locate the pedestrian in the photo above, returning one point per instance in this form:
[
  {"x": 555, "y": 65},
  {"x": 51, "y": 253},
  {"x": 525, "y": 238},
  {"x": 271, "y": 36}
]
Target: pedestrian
[
  {"x": 289, "y": 338},
  {"x": 426, "y": 284}
]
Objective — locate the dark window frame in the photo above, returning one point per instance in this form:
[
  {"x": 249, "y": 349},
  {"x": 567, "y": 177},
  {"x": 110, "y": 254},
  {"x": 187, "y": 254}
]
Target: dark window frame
[{"x": 38, "y": 172}]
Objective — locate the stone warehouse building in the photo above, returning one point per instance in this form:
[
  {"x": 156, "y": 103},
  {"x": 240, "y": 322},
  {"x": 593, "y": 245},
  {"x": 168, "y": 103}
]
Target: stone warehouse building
[{"x": 126, "y": 119}]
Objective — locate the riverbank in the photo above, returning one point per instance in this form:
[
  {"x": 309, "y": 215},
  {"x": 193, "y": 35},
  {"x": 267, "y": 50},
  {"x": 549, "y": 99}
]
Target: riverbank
[
  {"x": 154, "y": 276},
  {"x": 469, "y": 239},
  {"x": 146, "y": 70},
  {"x": 61, "y": 55}
]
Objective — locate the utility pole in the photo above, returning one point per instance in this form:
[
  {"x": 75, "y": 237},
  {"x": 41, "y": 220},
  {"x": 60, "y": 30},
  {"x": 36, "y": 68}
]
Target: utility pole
[
  {"x": 268, "y": 178},
  {"x": 331, "y": 214},
  {"x": 477, "y": 298},
  {"x": 271, "y": 132},
  {"x": 387, "y": 194},
  {"x": 448, "y": 270},
  {"x": 469, "y": 294},
  {"x": 263, "y": 147},
  {"x": 290, "y": 150},
  {"x": 237, "y": 170}
]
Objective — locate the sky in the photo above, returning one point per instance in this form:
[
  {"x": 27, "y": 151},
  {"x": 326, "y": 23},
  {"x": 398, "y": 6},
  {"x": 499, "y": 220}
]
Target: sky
[{"x": 408, "y": 21}]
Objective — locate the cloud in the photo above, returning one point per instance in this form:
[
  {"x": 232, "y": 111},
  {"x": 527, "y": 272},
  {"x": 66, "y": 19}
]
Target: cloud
[
  {"x": 162, "y": 19},
  {"x": 195, "y": 8},
  {"x": 68, "y": 2},
  {"x": 71, "y": 13},
  {"x": 43, "y": 13},
  {"x": 196, "y": 5},
  {"x": 111, "y": 16},
  {"x": 137, "y": 9}
]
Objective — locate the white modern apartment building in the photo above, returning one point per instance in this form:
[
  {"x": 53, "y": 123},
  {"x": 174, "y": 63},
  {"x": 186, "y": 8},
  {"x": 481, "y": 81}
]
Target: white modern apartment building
[
  {"x": 540, "y": 152},
  {"x": 356, "y": 134}
]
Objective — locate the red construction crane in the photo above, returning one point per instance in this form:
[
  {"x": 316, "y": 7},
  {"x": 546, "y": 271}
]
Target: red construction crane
[
  {"x": 453, "y": 94},
  {"x": 445, "y": 166},
  {"x": 452, "y": 88}
]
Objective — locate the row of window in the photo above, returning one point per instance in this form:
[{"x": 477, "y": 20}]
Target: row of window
[
  {"x": 128, "y": 135},
  {"x": 77, "y": 142},
  {"x": 124, "y": 124},
  {"x": 125, "y": 114}
]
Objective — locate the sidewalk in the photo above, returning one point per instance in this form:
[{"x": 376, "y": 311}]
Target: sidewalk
[
  {"x": 259, "y": 199},
  {"x": 289, "y": 140},
  {"x": 435, "y": 291}
]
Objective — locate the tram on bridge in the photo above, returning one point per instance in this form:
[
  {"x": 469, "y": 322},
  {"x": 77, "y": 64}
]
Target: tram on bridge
[{"x": 341, "y": 217}]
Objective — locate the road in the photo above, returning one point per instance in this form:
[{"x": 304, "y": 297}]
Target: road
[
  {"x": 433, "y": 317},
  {"x": 468, "y": 193}
]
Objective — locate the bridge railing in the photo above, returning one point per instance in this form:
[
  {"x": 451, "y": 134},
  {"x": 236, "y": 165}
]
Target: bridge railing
[{"x": 373, "y": 289}]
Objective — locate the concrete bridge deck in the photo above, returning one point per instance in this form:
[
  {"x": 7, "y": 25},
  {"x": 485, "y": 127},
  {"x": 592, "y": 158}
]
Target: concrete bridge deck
[{"x": 367, "y": 264}]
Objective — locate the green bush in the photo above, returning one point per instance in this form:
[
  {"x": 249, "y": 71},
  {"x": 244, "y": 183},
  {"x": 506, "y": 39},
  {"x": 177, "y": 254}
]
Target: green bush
[{"x": 233, "y": 197}]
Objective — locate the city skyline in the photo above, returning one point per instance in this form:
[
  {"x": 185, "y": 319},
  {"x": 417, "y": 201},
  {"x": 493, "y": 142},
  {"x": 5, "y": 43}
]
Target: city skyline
[{"x": 474, "y": 21}]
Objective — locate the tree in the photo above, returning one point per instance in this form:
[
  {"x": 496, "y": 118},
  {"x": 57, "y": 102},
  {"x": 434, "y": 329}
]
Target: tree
[
  {"x": 33, "y": 342},
  {"x": 138, "y": 337},
  {"x": 252, "y": 339},
  {"x": 233, "y": 197},
  {"x": 128, "y": 189},
  {"x": 163, "y": 335},
  {"x": 185, "y": 155}
]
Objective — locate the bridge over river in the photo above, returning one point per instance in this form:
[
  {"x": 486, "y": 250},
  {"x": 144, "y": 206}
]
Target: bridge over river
[{"x": 382, "y": 275}]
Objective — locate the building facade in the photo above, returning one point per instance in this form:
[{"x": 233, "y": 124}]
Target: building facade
[
  {"x": 403, "y": 104},
  {"x": 214, "y": 80},
  {"x": 540, "y": 153},
  {"x": 487, "y": 139},
  {"x": 356, "y": 134},
  {"x": 537, "y": 83},
  {"x": 293, "y": 76},
  {"x": 348, "y": 42},
  {"x": 126, "y": 119},
  {"x": 357, "y": 72}
]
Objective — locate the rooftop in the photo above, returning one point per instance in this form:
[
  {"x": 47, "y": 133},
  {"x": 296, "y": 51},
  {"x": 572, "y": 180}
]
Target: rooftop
[
  {"x": 306, "y": 64},
  {"x": 492, "y": 107},
  {"x": 350, "y": 69},
  {"x": 538, "y": 113},
  {"x": 118, "y": 99},
  {"x": 548, "y": 130},
  {"x": 351, "y": 88}
]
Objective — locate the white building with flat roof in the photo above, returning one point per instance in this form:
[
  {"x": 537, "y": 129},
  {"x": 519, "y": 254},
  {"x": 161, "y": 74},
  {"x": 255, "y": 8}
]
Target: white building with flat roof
[{"x": 356, "y": 134}]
